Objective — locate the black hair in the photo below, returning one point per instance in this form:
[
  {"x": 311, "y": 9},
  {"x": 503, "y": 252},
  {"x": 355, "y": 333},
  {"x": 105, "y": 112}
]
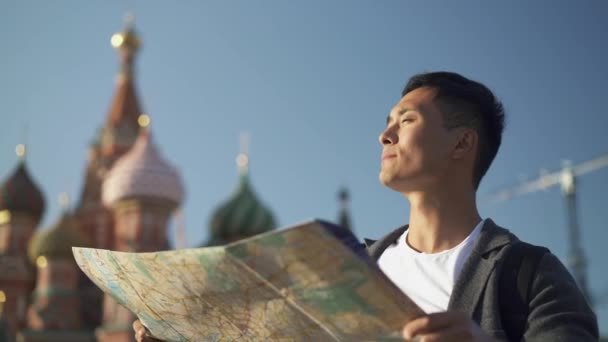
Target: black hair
[{"x": 466, "y": 103}]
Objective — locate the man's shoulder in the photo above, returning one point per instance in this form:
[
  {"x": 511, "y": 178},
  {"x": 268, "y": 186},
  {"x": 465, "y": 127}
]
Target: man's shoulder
[{"x": 495, "y": 232}]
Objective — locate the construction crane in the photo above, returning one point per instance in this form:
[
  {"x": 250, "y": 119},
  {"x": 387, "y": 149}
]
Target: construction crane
[{"x": 566, "y": 177}]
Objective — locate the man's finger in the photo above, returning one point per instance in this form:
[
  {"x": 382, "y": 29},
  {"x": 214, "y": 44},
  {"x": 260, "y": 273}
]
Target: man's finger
[
  {"x": 431, "y": 323},
  {"x": 137, "y": 326},
  {"x": 139, "y": 330},
  {"x": 141, "y": 333}
]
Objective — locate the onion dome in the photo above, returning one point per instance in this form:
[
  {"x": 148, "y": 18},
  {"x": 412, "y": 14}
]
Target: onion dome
[
  {"x": 242, "y": 215},
  {"x": 19, "y": 193},
  {"x": 120, "y": 130},
  {"x": 57, "y": 241},
  {"x": 142, "y": 173}
]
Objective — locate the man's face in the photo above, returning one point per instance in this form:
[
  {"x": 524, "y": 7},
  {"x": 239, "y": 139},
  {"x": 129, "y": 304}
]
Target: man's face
[{"x": 416, "y": 146}]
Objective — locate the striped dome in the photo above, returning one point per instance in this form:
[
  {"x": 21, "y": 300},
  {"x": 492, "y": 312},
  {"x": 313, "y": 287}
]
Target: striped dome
[
  {"x": 58, "y": 240},
  {"x": 142, "y": 172},
  {"x": 241, "y": 216},
  {"x": 19, "y": 193}
]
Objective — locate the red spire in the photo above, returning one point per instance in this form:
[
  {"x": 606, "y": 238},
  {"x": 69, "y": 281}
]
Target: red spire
[
  {"x": 125, "y": 105},
  {"x": 121, "y": 128}
]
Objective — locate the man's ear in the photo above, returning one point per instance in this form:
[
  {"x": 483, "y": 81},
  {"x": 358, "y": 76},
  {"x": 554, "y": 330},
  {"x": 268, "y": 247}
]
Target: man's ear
[{"x": 466, "y": 143}]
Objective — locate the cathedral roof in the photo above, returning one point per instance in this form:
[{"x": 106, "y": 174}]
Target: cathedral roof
[
  {"x": 243, "y": 214},
  {"x": 19, "y": 192},
  {"x": 121, "y": 128},
  {"x": 142, "y": 173},
  {"x": 58, "y": 240}
]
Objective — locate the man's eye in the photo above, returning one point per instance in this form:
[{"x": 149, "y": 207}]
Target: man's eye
[{"x": 407, "y": 120}]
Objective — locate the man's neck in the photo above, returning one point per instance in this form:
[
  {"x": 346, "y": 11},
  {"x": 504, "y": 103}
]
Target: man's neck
[{"x": 440, "y": 221}]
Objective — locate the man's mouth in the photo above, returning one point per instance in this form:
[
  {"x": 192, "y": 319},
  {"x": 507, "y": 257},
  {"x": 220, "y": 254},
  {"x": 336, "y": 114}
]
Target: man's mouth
[{"x": 388, "y": 156}]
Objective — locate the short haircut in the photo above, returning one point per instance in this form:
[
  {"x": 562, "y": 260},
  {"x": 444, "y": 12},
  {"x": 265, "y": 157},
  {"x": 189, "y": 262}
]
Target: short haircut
[{"x": 466, "y": 103}]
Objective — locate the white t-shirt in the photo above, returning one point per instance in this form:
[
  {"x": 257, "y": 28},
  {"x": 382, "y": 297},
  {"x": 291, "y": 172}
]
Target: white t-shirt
[{"x": 428, "y": 279}]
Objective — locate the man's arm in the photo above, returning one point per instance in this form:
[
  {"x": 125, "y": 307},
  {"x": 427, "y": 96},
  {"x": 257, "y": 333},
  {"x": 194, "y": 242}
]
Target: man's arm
[{"x": 558, "y": 309}]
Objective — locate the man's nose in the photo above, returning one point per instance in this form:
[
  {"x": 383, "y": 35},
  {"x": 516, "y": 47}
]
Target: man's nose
[{"x": 387, "y": 137}]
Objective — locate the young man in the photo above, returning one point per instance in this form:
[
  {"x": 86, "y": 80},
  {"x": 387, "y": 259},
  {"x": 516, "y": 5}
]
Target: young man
[{"x": 439, "y": 141}]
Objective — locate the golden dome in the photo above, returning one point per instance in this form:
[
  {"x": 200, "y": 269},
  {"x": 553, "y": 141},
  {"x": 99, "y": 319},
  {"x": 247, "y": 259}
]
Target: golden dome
[{"x": 127, "y": 39}]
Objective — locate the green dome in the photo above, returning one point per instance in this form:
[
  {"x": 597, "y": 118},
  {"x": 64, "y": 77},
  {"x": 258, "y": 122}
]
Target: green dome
[
  {"x": 57, "y": 241},
  {"x": 243, "y": 215}
]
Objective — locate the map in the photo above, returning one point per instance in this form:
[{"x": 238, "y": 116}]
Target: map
[{"x": 310, "y": 282}]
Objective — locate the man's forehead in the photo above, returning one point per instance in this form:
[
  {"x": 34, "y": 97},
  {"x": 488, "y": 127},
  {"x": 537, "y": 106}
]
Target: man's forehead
[
  {"x": 418, "y": 97},
  {"x": 416, "y": 100}
]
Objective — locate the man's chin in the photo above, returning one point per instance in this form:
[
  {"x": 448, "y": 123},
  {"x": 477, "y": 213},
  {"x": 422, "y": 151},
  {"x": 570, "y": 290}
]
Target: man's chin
[
  {"x": 387, "y": 180},
  {"x": 394, "y": 183},
  {"x": 383, "y": 179}
]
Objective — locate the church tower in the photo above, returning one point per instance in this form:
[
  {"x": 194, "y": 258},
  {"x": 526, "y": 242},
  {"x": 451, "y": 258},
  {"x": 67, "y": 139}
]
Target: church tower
[
  {"x": 113, "y": 140},
  {"x": 243, "y": 214},
  {"x": 344, "y": 211},
  {"x": 21, "y": 208},
  {"x": 54, "y": 310},
  {"x": 142, "y": 190}
]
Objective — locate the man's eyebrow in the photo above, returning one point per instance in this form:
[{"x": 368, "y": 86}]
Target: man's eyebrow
[{"x": 399, "y": 113}]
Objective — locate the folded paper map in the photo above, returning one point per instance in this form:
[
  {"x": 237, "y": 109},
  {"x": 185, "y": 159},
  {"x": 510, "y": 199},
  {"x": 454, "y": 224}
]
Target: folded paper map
[{"x": 311, "y": 282}]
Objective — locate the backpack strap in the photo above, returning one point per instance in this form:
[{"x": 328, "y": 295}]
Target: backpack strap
[
  {"x": 516, "y": 279},
  {"x": 376, "y": 248}
]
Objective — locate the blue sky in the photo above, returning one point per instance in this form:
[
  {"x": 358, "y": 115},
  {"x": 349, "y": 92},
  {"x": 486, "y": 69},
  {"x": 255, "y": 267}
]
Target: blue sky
[{"x": 312, "y": 82}]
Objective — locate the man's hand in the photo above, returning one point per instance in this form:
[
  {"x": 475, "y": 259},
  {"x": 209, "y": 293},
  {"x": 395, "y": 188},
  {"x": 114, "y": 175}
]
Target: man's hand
[
  {"x": 141, "y": 333},
  {"x": 444, "y": 326}
]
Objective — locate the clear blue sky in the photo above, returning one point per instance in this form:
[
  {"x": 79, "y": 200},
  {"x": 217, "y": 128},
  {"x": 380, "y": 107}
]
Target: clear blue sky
[{"x": 313, "y": 82}]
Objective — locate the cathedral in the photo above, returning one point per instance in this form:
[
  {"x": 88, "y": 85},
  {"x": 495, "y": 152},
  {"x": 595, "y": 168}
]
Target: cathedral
[{"x": 129, "y": 195}]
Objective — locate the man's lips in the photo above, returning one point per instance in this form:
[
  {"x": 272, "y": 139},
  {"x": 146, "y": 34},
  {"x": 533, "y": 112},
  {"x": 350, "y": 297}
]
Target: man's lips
[{"x": 388, "y": 156}]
